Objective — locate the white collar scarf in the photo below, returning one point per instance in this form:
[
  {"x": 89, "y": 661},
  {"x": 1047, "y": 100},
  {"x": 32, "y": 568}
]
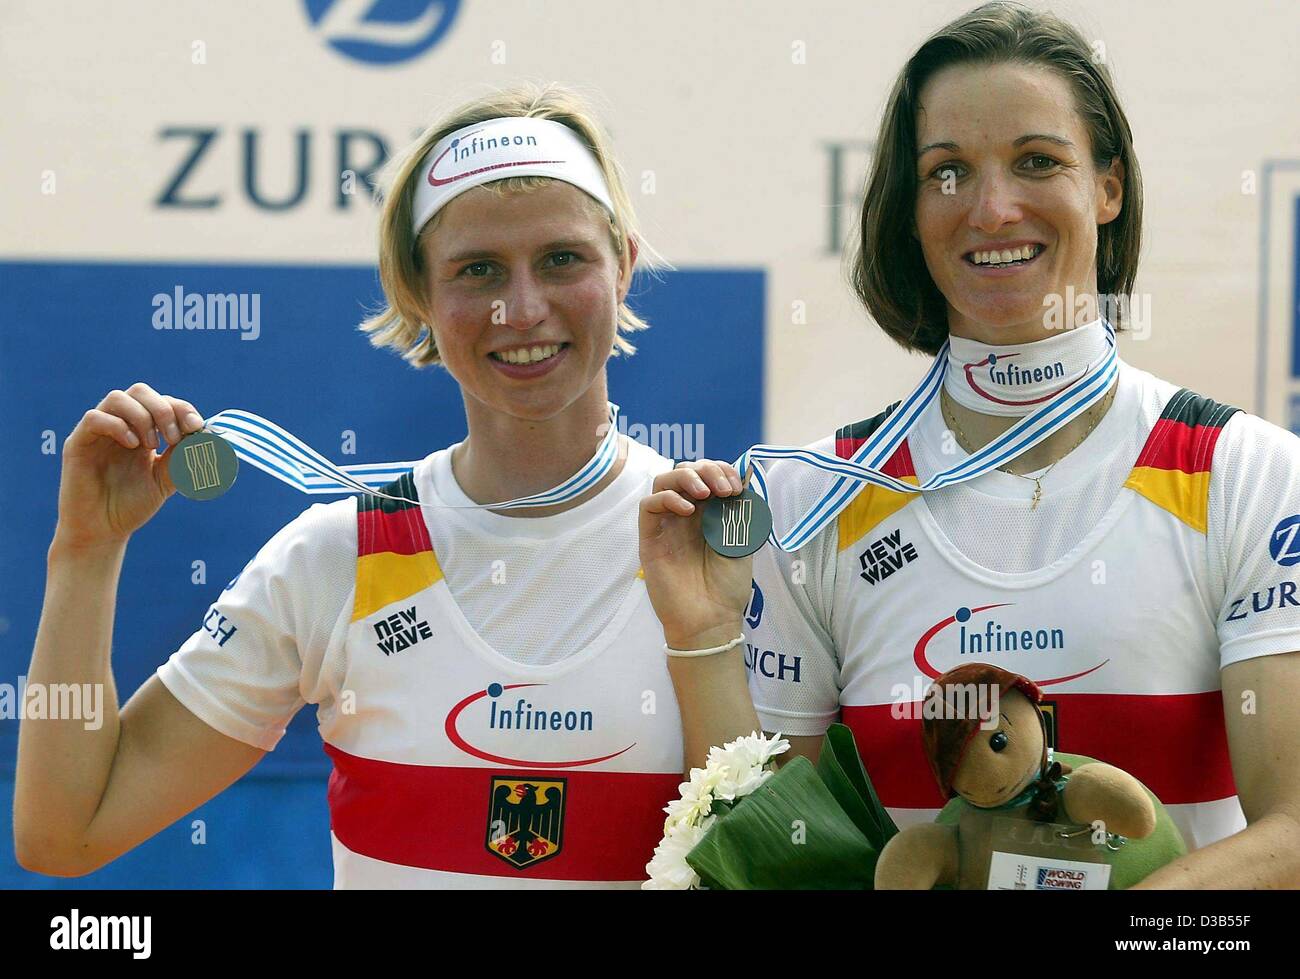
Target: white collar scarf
[{"x": 1015, "y": 379}]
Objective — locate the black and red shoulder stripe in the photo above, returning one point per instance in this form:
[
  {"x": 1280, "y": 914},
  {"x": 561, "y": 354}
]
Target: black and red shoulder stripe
[
  {"x": 872, "y": 503},
  {"x": 849, "y": 438}
]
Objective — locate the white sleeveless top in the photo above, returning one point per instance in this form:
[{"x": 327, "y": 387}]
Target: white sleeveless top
[
  {"x": 453, "y": 765},
  {"x": 1164, "y": 549}
]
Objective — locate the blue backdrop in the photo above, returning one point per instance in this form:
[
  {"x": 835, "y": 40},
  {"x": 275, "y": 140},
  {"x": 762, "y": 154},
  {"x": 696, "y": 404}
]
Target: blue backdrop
[{"x": 72, "y": 332}]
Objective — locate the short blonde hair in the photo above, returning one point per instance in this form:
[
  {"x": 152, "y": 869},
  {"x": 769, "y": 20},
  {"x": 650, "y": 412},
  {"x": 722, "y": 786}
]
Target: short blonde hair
[{"x": 400, "y": 323}]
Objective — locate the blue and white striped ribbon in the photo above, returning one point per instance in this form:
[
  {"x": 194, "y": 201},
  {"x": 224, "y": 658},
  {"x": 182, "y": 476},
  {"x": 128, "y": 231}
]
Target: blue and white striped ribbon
[
  {"x": 864, "y": 466},
  {"x": 282, "y": 454}
]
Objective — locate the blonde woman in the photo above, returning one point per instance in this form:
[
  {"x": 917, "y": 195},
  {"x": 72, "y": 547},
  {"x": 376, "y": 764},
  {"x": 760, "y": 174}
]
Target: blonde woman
[
  {"x": 1037, "y": 503},
  {"x": 490, "y": 685}
]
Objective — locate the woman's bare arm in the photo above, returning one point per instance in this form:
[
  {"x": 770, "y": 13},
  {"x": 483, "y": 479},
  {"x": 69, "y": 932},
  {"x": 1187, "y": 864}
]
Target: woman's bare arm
[
  {"x": 87, "y": 791},
  {"x": 699, "y": 597},
  {"x": 89, "y": 788}
]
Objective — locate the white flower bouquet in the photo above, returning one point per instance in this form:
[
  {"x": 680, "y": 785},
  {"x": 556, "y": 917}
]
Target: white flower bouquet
[{"x": 743, "y": 823}]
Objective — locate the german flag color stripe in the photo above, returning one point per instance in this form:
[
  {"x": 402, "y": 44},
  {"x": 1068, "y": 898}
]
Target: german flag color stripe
[
  {"x": 391, "y": 525},
  {"x": 1173, "y": 468},
  {"x": 1175, "y": 744},
  {"x": 437, "y": 817},
  {"x": 873, "y": 503},
  {"x": 850, "y": 438},
  {"x": 386, "y": 578},
  {"x": 395, "y": 557}
]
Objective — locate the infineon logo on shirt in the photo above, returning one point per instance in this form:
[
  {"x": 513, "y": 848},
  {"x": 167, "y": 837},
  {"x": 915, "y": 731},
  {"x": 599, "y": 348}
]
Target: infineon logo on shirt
[
  {"x": 524, "y": 716},
  {"x": 534, "y": 721},
  {"x": 1032, "y": 648}
]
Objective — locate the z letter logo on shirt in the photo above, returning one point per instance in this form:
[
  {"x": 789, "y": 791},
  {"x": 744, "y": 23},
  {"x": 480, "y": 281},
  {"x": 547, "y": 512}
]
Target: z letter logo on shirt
[{"x": 1283, "y": 546}]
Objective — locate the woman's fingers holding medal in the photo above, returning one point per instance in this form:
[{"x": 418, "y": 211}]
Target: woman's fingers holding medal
[
  {"x": 720, "y": 477},
  {"x": 112, "y": 481},
  {"x": 146, "y": 414},
  {"x": 697, "y": 594},
  {"x": 675, "y": 491},
  {"x": 203, "y": 466},
  {"x": 134, "y": 417}
]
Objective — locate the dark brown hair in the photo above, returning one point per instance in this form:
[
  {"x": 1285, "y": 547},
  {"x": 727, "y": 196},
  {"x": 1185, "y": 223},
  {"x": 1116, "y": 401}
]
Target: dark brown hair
[{"x": 887, "y": 266}]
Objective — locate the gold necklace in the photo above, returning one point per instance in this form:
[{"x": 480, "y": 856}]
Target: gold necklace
[{"x": 966, "y": 443}]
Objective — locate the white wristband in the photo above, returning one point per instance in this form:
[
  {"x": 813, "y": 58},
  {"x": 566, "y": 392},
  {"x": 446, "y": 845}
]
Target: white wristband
[{"x": 705, "y": 652}]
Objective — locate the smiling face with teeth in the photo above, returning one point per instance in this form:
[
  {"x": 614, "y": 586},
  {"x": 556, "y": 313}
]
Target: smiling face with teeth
[
  {"x": 524, "y": 289},
  {"x": 1008, "y": 199}
]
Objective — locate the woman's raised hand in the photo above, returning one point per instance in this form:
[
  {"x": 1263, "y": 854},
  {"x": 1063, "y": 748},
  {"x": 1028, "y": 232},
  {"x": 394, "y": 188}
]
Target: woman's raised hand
[
  {"x": 698, "y": 594},
  {"x": 113, "y": 480}
]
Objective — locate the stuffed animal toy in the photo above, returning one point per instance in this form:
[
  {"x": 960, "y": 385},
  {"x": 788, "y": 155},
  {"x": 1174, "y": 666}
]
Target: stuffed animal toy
[{"x": 986, "y": 740}]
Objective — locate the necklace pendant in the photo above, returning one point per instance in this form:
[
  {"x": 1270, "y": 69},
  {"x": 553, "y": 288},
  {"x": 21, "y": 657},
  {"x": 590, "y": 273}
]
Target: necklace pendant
[{"x": 1038, "y": 495}]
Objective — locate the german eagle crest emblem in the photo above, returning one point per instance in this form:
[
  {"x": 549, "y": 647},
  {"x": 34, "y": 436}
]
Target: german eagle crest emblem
[{"x": 525, "y": 819}]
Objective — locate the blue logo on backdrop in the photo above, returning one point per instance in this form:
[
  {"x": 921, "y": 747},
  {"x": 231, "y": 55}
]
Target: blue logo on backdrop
[
  {"x": 754, "y": 611},
  {"x": 1283, "y": 546},
  {"x": 382, "y": 32}
]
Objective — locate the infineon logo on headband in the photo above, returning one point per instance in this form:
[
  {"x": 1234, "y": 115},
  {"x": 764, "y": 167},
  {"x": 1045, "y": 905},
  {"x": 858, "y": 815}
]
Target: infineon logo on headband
[
  {"x": 501, "y": 148},
  {"x": 464, "y": 150}
]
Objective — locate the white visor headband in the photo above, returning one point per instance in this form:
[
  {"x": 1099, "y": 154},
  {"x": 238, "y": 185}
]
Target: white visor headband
[{"x": 501, "y": 148}]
